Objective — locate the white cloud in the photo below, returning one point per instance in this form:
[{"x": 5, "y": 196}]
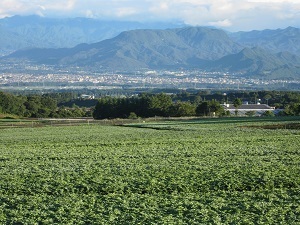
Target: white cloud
[
  {"x": 223, "y": 23},
  {"x": 9, "y": 7},
  {"x": 125, "y": 11},
  {"x": 89, "y": 14},
  {"x": 25, "y": 7},
  {"x": 274, "y": 1},
  {"x": 233, "y": 14}
]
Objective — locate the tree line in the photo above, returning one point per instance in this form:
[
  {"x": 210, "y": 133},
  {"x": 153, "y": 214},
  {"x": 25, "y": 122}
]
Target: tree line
[
  {"x": 183, "y": 103},
  {"x": 147, "y": 105},
  {"x": 40, "y": 106}
]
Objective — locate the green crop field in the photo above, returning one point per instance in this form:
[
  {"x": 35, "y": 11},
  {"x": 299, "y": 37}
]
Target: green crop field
[{"x": 214, "y": 171}]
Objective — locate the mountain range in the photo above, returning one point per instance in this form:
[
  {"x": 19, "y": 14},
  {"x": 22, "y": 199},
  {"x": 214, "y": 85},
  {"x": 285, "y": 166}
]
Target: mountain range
[
  {"x": 19, "y": 32},
  {"x": 274, "y": 40},
  {"x": 273, "y": 54}
]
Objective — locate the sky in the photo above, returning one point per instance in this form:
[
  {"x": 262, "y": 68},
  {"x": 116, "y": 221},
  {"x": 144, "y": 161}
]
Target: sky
[{"x": 231, "y": 15}]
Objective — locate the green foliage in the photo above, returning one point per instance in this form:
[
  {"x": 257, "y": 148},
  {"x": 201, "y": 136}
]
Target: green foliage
[
  {"x": 237, "y": 103},
  {"x": 203, "y": 109},
  {"x": 268, "y": 113},
  {"x": 132, "y": 115},
  {"x": 210, "y": 108},
  {"x": 292, "y": 109},
  {"x": 194, "y": 172},
  {"x": 38, "y": 106},
  {"x": 12, "y": 104},
  {"x": 160, "y": 104},
  {"x": 143, "y": 106},
  {"x": 181, "y": 109},
  {"x": 204, "y": 103},
  {"x": 250, "y": 113}
]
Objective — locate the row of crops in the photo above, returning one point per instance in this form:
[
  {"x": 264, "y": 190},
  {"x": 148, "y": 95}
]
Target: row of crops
[
  {"x": 176, "y": 172},
  {"x": 33, "y": 123}
]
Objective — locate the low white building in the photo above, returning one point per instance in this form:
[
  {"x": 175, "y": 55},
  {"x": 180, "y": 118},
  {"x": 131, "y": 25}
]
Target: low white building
[
  {"x": 257, "y": 109},
  {"x": 83, "y": 96}
]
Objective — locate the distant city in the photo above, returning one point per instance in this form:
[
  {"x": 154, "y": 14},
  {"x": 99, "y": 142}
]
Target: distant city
[{"x": 50, "y": 77}]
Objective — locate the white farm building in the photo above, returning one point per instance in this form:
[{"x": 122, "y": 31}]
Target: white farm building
[{"x": 256, "y": 109}]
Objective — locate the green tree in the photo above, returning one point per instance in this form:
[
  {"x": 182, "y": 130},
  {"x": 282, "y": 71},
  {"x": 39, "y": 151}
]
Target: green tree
[
  {"x": 12, "y": 104},
  {"x": 292, "y": 109},
  {"x": 237, "y": 103},
  {"x": 250, "y": 113},
  {"x": 64, "y": 113},
  {"x": 210, "y": 108},
  {"x": 160, "y": 104},
  {"x": 132, "y": 115},
  {"x": 203, "y": 109},
  {"x": 33, "y": 104},
  {"x": 43, "y": 113},
  {"x": 267, "y": 97},
  {"x": 215, "y": 108},
  {"x": 268, "y": 113},
  {"x": 197, "y": 100},
  {"x": 183, "y": 109},
  {"x": 105, "y": 108}
]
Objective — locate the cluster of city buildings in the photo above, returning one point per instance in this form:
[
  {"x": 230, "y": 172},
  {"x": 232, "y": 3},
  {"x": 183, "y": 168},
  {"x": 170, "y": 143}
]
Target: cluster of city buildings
[{"x": 139, "y": 79}]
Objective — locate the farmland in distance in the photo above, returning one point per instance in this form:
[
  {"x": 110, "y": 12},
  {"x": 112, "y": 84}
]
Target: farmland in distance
[{"x": 206, "y": 171}]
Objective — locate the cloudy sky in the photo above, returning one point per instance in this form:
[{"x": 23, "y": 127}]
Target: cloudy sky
[{"x": 231, "y": 15}]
